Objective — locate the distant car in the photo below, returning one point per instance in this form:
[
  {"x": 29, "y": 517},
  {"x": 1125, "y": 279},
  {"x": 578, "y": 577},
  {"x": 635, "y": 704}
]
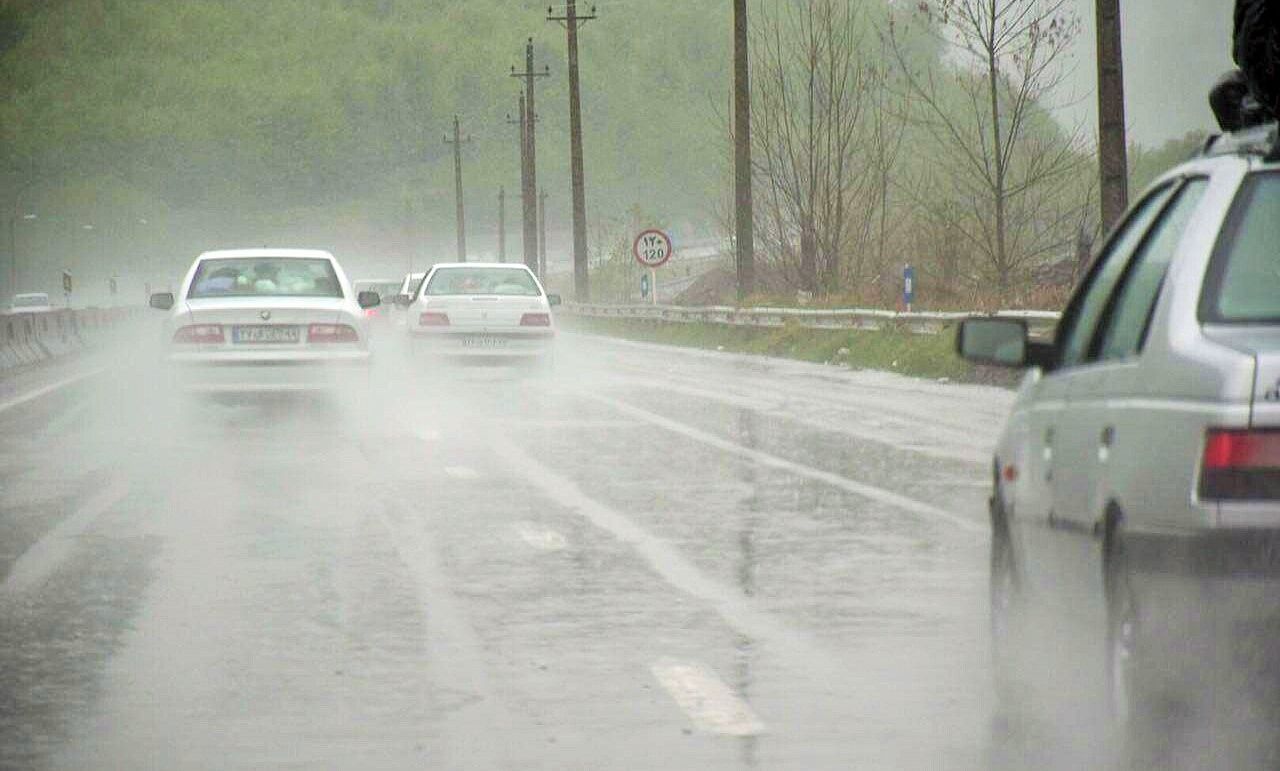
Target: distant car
[
  {"x": 30, "y": 302},
  {"x": 265, "y": 319},
  {"x": 1137, "y": 481},
  {"x": 385, "y": 288},
  {"x": 490, "y": 312}
]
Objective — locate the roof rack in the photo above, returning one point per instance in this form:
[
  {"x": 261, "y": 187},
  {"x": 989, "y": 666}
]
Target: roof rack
[{"x": 1255, "y": 140}]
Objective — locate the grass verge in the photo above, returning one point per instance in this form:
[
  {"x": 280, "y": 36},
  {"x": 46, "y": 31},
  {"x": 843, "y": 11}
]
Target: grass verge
[{"x": 931, "y": 356}]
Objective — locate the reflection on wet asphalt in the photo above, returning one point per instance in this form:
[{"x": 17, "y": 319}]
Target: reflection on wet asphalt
[{"x": 649, "y": 559}]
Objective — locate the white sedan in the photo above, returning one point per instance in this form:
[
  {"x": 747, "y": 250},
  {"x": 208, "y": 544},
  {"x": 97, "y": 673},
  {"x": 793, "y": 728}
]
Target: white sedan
[
  {"x": 266, "y": 319},
  {"x": 495, "y": 312}
]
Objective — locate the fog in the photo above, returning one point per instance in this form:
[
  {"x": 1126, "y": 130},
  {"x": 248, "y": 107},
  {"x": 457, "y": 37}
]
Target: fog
[{"x": 608, "y": 554}]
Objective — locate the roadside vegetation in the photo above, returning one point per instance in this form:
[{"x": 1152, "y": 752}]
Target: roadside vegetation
[{"x": 928, "y": 356}]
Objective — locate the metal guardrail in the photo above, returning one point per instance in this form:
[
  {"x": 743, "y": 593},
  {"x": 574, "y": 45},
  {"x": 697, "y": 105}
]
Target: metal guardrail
[{"x": 919, "y": 322}]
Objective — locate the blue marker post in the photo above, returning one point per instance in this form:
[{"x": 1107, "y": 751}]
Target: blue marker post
[{"x": 908, "y": 286}]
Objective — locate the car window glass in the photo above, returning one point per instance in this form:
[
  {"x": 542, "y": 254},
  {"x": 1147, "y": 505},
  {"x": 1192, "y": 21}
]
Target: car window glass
[
  {"x": 1104, "y": 276},
  {"x": 483, "y": 281},
  {"x": 1126, "y": 326},
  {"x": 264, "y": 277},
  {"x": 1250, "y": 283}
]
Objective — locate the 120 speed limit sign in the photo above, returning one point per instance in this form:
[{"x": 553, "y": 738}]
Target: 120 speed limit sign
[{"x": 653, "y": 248}]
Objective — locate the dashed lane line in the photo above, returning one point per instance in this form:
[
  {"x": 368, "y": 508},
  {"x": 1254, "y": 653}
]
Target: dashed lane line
[
  {"x": 462, "y": 472},
  {"x": 46, "y": 555},
  {"x": 31, "y": 396},
  {"x": 739, "y": 612},
  {"x": 799, "y": 469},
  {"x": 710, "y": 704}
]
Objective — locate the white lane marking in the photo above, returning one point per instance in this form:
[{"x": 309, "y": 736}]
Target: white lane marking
[
  {"x": 540, "y": 538},
  {"x": 710, "y": 704},
  {"x": 461, "y": 472},
  {"x": 30, "y": 396},
  {"x": 878, "y": 431},
  {"x": 739, "y": 612},
  {"x": 38, "y": 562},
  {"x": 765, "y": 459}
]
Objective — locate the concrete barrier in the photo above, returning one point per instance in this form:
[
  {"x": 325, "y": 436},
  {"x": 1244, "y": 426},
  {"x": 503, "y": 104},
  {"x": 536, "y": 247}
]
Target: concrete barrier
[{"x": 27, "y": 339}]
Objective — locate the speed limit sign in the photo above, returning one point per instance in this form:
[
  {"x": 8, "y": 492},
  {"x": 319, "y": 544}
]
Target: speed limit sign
[{"x": 653, "y": 248}]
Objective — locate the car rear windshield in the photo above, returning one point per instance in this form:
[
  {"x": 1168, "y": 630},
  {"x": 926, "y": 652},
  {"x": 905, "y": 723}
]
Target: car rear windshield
[
  {"x": 491, "y": 281},
  {"x": 265, "y": 277},
  {"x": 1244, "y": 281},
  {"x": 385, "y": 289},
  {"x": 30, "y": 300}
]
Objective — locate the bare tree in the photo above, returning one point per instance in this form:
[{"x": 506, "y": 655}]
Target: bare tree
[
  {"x": 985, "y": 103},
  {"x": 809, "y": 84}
]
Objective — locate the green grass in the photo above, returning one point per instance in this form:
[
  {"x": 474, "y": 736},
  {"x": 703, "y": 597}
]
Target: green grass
[{"x": 931, "y": 356}]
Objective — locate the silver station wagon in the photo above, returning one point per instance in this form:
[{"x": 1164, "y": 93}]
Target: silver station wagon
[{"x": 1137, "y": 481}]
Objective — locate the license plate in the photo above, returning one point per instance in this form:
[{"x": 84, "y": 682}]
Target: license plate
[
  {"x": 260, "y": 333},
  {"x": 484, "y": 342}
]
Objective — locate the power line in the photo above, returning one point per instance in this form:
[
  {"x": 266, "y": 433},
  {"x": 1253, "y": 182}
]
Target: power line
[
  {"x": 457, "y": 143},
  {"x": 530, "y": 134},
  {"x": 571, "y": 21}
]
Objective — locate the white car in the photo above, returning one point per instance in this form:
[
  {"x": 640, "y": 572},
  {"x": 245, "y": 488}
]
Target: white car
[
  {"x": 495, "y": 312},
  {"x": 265, "y": 319},
  {"x": 31, "y": 302}
]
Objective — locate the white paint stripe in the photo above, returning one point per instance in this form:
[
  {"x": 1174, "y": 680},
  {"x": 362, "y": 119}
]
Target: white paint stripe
[
  {"x": 876, "y": 431},
  {"x": 710, "y": 704},
  {"x": 739, "y": 612},
  {"x": 540, "y": 538},
  {"x": 39, "y": 562},
  {"x": 461, "y": 472},
  {"x": 765, "y": 459},
  {"x": 30, "y": 396}
]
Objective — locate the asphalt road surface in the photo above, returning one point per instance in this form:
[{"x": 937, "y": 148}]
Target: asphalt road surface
[{"x": 649, "y": 559}]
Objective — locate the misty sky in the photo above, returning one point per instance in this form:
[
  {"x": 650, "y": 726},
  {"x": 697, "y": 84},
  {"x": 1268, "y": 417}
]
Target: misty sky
[{"x": 1173, "y": 50}]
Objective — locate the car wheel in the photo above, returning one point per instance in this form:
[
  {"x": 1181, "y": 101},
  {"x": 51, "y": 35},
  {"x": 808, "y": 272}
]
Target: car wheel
[{"x": 1006, "y": 604}]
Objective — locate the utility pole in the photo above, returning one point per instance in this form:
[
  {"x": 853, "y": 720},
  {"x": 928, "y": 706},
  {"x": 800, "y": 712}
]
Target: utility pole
[
  {"x": 528, "y": 219},
  {"x": 502, "y": 224},
  {"x": 1112, "y": 155},
  {"x": 571, "y": 22},
  {"x": 531, "y": 152},
  {"x": 457, "y": 181},
  {"x": 744, "y": 225},
  {"x": 542, "y": 235}
]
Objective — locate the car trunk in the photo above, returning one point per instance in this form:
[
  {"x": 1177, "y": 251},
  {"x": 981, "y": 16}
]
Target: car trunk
[
  {"x": 266, "y": 322},
  {"x": 484, "y": 311}
]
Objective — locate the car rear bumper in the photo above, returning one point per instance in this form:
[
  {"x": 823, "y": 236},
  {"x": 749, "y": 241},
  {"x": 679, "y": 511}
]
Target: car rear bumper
[
  {"x": 263, "y": 371},
  {"x": 481, "y": 345}
]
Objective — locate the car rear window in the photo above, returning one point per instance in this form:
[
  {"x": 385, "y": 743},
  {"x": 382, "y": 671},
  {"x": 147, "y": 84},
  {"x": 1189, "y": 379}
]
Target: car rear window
[
  {"x": 1244, "y": 282},
  {"x": 491, "y": 281},
  {"x": 264, "y": 277}
]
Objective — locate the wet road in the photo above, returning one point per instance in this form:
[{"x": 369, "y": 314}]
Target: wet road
[{"x": 650, "y": 559}]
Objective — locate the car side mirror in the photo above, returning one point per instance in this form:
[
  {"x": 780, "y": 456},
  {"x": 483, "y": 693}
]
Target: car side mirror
[
  {"x": 553, "y": 300},
  {"x": 161, "y": 300},
  {"x": 1001, "y": 342},
  {"x": 403, "y": 300},
  {"x": 368, "y": 299}
]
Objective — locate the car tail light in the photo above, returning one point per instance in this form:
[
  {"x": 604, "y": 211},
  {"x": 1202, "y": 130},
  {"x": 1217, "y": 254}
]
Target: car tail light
[
  {"x": 535, "y": 320},
  {"x": 331, "y": 333},
  {"x": 433, "y": 319},
  {"x": 1240, "y": 464},
  {"x": 199, "y": 334},
  {"x": 371, "y": 313}
]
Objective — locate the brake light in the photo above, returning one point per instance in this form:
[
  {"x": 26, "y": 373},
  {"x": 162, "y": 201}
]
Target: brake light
[
  {"x": 331, "y": 333},
  {"x": 433, "y": 319},
  {"x": 199, "y": 334},
  {"x": 1240, "y": 464},
  {"x": 371, "y": 313},
  {"x": 535, "y": 320}
]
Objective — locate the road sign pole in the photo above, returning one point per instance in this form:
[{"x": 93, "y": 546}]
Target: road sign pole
[{"x": 653, "y": 285}]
